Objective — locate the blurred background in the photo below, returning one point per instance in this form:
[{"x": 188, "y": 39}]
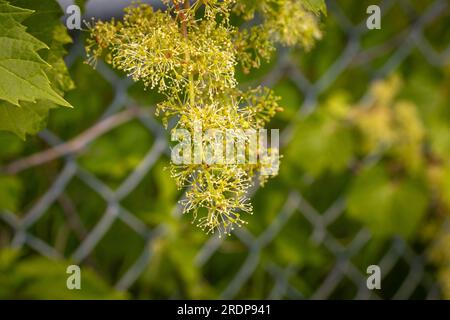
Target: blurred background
[{"x": 365, "y": 178}]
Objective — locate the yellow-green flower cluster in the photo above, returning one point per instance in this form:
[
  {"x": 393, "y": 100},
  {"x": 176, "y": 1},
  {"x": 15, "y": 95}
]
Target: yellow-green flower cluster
[
  {"x": 189, "y": 53},
  {"x": 287, "y": 22}
]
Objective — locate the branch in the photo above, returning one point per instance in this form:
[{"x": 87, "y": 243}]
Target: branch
[{"x": 73, "y": 146}]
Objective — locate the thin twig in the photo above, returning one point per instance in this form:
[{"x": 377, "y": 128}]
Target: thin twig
[
  {"x": 73, "y": 146},
  {"x": 75, "y": 224},
  {"x": 73, "y": 220}
]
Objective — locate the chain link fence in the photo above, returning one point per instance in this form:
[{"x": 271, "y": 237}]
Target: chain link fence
[{"x": 344, "y": 271}]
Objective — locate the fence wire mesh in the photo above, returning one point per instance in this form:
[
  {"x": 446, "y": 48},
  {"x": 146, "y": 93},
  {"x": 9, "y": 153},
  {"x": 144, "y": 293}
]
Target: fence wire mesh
[{"x": 343, "y": 272}]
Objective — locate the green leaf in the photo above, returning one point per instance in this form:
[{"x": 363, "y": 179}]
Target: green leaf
[
  {"x": 22, "y": 76},
  {"x": 45, "y": 25},
  {"x": 322, "y": 144},
  {"x": 29, "y": 118},
  {"x": 17, "y": 14},
  {"x": 41, "y": 278},
  {"x": 386, "y": 207},
  {"x": 24, "y": 84},
  {"x": 10, "y": 191}
]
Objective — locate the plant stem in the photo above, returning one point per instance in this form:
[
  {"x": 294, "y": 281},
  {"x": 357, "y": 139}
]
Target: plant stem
[{"x": 184, "y": 30}]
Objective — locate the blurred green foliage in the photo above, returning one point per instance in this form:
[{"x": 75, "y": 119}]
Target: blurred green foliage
[{"x": 41, "y": 278}]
